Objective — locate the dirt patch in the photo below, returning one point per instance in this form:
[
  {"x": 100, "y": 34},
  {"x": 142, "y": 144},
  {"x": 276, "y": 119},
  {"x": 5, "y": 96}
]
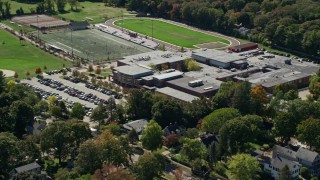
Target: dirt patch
[
  {"x": 7, "y": 73},
  {"x": 211, "y": 45}
]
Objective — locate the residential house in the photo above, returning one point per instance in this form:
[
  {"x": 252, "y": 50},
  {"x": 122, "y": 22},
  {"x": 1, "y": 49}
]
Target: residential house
[
  {"x": 174, "y": 129},
  {"x": 32, "y": 167},
  {"x": 137, "y": 125}
]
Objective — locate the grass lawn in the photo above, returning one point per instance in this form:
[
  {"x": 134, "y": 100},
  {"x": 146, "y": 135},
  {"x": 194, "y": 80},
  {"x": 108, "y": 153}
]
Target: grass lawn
[
  {"x": 22, "y": 58},
  {"x": 94, "y": 10},
  {"x": 170, "y": 33}
]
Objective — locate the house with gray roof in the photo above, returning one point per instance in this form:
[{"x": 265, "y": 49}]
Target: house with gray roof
[
  {"x": 309, "y": 159},
  {"x": 305, "y": 157},
  {"x": 137, "y": 125},
  {"x": 32, "y": 167},
  {"x": 275, "y": 164}
]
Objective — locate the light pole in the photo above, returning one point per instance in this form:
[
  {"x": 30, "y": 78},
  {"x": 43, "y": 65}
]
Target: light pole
[
  {"x": 71, "y": 44},
  {"x": 152, "y": 29},
  {"x": 38, "y": 26}
]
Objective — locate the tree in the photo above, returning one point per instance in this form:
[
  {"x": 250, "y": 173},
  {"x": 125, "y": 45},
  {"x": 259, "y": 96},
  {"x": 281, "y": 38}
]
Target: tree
[
  {"x": 99, "y": 114},
  {"x": 90, "y": 68},
  {"x": 305, "y": 173},
  {"x": 133, "y": 136},
  {"x": 27, "y": 73},
  {"x": 170, "y": 140},
  {"x": 241, "y": 99},
  {"x": 178, "y": 174},
  {"x": 139, "y": 104},
  {"x": 16, "y": 75},
  {"x": 285, "y": 125},
  {"x": 308, "y": 131},
  {"x": 152, "y": 136},
  {"x": 196, "y": 110},
  {"x": 56, "y": 139},
  {"x": 192, "y": 149},
  {"x": 314, "y": 86},
  {"x": 38, "y": 70},
  {"x": 7, "y": 151},
  {"x": 224, "y": 95},
  {"x": 45, "y": 67},
  {"x": 40, "y": 107},
  {"x": 89, "y": 158},
  {"x": 214, "y": 121},
  {"x": 28, "y": 151},
  {"x": 23, "y": 115},
  {"x": 191, "y": 65},
  {"x": 149, "y": 166},
  {"x": 114, "y": 128},
  {"x": 77, "y": 111},
  {"x": 98, "y": 70},
  {"x": 167, "y": 111},
  {"x": 60, "y": 5},
  {"x": 259, "y": 98},
  {"x": 242, "y": 167},
  {"x": 285, "y": 173},
  {"x": 111, "y": 108},
  {"x": 113, "y": 172}
]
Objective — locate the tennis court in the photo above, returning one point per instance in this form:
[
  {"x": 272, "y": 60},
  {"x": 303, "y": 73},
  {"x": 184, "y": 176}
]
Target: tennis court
[
  {"x": 40, "y": 21},
  {"x": 92, "y": 44}
]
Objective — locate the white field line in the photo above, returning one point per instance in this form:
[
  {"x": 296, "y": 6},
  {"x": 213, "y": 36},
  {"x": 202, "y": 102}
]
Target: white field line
[
  {"x": 53, "y": 41},
  {"x": 109, "y": 38},
  {"x": 190, "y": 28},
  {"x": 145, "y": 35},
  {"x": 69, "y": 47}
]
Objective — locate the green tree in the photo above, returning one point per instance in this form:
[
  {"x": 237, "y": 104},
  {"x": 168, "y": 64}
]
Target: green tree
[
  {"x": 285, "y": 173},
  {"x": 61, "y": 5},
  {"x": 243, "y": 167},
  {"x": 284, "y": 125},
  {"x": 305, "y": 173},
  {"x": 214, "y": 121},
  {"x": 241, "y": 99},
  {"x": 191, "y": 65},
  {"x": 308, "y": 131},
  {"x": 192, "y": 149},
  {"x": 133, "y": 136},
  {"x": 139, "y": 104},
  {"x": 77, "y": 111},
  {"x": 314, "y": 86},
  {"x": 28, "y": 151},
  {"x": 196, "y": 110},
  {"x": 149, "y": 166},
  {"x": 90, "y": 157},
  {"x": 114, "y": 128},
  {"x": 167, "y": 111},
  {"x": 99, "y": 114},
  {"x": 23, "y": 115},
  {"x": 8, "y": 151},
  {"x": 40, "y": 107},
  {"x": 56, "y": 140},
  {"x": 152, "y": 136}
]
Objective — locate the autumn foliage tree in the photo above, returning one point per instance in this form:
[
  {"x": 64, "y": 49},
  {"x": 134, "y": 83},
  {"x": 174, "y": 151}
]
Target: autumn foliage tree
[
  {"x": 16, "y": 75},
  {"x": 110, "y": 171},
  {"x": 38, "y": 70},
  {"x": 259, "y": 98},
  {"x": 98, "y": 70},
  {"x": 170, "y": 140},
  {"x": 27, "y": 73},
  {"x": 90, "y": 68}
]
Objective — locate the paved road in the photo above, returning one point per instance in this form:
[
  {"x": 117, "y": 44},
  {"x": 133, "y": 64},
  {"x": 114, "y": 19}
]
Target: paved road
[{"x": 233, "y": 41}]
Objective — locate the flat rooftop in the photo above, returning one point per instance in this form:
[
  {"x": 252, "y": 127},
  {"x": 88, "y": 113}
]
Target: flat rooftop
[
  {"x": 176, "y": 94},
  {"x": 206, "y": 87},
  {"x": 218, "y": 55},
  {"x": 275, "y": 77},
  {"x": 154, "y": 58},
  {"x": 133, "y": 70}
]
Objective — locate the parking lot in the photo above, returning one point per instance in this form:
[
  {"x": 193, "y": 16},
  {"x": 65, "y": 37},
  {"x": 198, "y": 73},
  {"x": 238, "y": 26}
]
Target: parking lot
[{"x": 70, "y": 92}]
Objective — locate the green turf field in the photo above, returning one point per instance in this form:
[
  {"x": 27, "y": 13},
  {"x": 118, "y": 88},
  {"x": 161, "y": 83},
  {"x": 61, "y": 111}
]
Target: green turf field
[
  {"x": 93, "y": 44},
  {"x": 170, "y": 33},
  {"x": 96, "y": 11},
  {"x": 22, "y": 58}
]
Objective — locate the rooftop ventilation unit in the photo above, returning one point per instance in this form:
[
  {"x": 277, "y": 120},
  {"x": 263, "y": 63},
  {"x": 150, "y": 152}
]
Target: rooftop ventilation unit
[{"x": 195, "y": 83}]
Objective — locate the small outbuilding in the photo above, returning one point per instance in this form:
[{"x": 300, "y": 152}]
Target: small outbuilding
[{"x": 79, "y": 25}]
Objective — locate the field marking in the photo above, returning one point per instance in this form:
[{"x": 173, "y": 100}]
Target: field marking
[
  {"x": 110, "y": 38},
  {"x": 211, "y": 33},
  {"x": 69, "y": 47}
]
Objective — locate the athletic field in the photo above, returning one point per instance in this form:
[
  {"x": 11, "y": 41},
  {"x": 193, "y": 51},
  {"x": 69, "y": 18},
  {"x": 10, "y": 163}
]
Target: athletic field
[
  {"x": 170, "y": 33},
  {"x": 25, "y": 57},
  {"x": 92, "y": 44}
]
